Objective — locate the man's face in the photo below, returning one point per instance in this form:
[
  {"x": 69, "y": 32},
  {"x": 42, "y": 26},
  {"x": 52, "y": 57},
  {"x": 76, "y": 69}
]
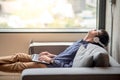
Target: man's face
[{"x": 93, "y": 33}]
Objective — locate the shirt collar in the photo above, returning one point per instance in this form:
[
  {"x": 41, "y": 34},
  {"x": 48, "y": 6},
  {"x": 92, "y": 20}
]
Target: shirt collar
[{"x": 84, "y": 43}]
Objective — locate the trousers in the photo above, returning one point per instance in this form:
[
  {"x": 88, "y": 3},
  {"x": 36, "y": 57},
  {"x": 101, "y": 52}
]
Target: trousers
[{"x": 18, "y": 62}]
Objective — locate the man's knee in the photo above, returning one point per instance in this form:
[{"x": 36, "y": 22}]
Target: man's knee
[{"x": 22, "y": 57}]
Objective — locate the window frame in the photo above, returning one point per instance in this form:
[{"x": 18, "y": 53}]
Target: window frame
[
  {"x": 101, "y": 14},
  {"x": 100, "y": 21}
]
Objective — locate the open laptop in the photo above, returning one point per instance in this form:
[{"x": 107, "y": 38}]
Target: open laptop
[{"x": 35, "y": 59}]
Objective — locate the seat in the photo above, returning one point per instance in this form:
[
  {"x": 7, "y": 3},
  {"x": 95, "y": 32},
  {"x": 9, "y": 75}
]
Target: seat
[{"x": 74, "y": 73}]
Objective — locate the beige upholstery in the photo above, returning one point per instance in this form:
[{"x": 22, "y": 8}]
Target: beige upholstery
[{"x": 79, "y": 73}]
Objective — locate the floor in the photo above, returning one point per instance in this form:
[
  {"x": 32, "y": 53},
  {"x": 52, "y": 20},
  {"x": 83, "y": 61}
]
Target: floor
[{"x": 9, "y": 76}]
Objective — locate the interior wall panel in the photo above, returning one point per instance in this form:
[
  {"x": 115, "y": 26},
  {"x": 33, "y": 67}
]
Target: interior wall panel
[{"x": 11, "y": 43}]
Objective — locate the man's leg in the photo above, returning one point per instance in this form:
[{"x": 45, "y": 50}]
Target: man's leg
[
  {"x": 19, "y": 57},
  {"x": 18, "y": 62},
  {"x": 20, "y": 66}
]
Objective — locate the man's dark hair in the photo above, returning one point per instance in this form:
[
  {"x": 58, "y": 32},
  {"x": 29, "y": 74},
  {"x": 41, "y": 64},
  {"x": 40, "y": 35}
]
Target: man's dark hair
[{"x": 104, "y": 37}]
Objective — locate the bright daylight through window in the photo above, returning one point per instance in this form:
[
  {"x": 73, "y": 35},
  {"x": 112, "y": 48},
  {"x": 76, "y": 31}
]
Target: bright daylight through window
[{"x": 48, "y": 14}]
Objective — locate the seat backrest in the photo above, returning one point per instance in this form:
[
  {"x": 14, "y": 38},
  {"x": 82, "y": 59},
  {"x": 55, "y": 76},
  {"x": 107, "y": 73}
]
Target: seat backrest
[{"x": 52, "y": 47}]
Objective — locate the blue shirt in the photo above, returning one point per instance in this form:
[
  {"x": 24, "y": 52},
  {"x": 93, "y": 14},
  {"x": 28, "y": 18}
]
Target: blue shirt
[{"x": 65, "y": 58}]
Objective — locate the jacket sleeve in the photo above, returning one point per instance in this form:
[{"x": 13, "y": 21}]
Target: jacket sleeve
[
  {"x": 65, "y": 59},
  {"x": 59, "y": 63}
]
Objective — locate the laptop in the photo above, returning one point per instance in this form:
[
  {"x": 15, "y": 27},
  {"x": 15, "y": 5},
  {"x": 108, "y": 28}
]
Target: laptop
[{"x": 35, "y": 59}]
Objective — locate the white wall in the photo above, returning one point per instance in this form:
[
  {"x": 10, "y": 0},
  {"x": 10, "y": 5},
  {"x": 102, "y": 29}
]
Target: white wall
[{"x": 116, "y": 27}]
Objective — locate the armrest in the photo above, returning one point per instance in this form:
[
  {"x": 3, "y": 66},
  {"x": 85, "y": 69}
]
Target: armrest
[
  {"x": 52, "y": 47},
  {"x": 97, "y": 73}
]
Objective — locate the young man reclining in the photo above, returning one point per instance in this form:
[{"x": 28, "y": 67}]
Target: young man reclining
[{"x": 21, "y": 61}]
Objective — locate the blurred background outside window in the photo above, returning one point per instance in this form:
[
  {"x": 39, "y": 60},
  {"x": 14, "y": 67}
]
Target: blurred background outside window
[{"x": 48, "y": 14}]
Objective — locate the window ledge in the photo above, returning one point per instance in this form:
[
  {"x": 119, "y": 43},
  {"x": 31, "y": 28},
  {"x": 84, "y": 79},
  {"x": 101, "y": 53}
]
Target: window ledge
[{"x": 43, "y": 30}]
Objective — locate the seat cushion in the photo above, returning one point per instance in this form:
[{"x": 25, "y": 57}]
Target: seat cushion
[
  {"x": 101, "y": 60},
  {"x": 92, "y": 55},
  {"x": 87, "y": 61}
]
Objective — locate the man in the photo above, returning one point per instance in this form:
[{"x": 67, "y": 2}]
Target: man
[{"x": 21, "y": 61}]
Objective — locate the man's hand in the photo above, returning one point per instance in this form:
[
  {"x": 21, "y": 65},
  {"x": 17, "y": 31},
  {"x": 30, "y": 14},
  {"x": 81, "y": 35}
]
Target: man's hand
[
  {"x": 47, "y": 54},
  {"x": 45, "y": 58}
]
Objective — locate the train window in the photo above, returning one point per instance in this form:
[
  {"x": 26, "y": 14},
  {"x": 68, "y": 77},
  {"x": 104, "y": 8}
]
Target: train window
[{"x": 48, "y": 15}]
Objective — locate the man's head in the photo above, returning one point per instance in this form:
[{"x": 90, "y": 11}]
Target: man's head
[
  {"x": 103, "y": 37},
  {"x": 101, "y": 34}
]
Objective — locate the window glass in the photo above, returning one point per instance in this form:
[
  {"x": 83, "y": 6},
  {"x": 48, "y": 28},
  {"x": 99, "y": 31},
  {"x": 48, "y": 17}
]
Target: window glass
[{"x": 48, "y": 14}]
